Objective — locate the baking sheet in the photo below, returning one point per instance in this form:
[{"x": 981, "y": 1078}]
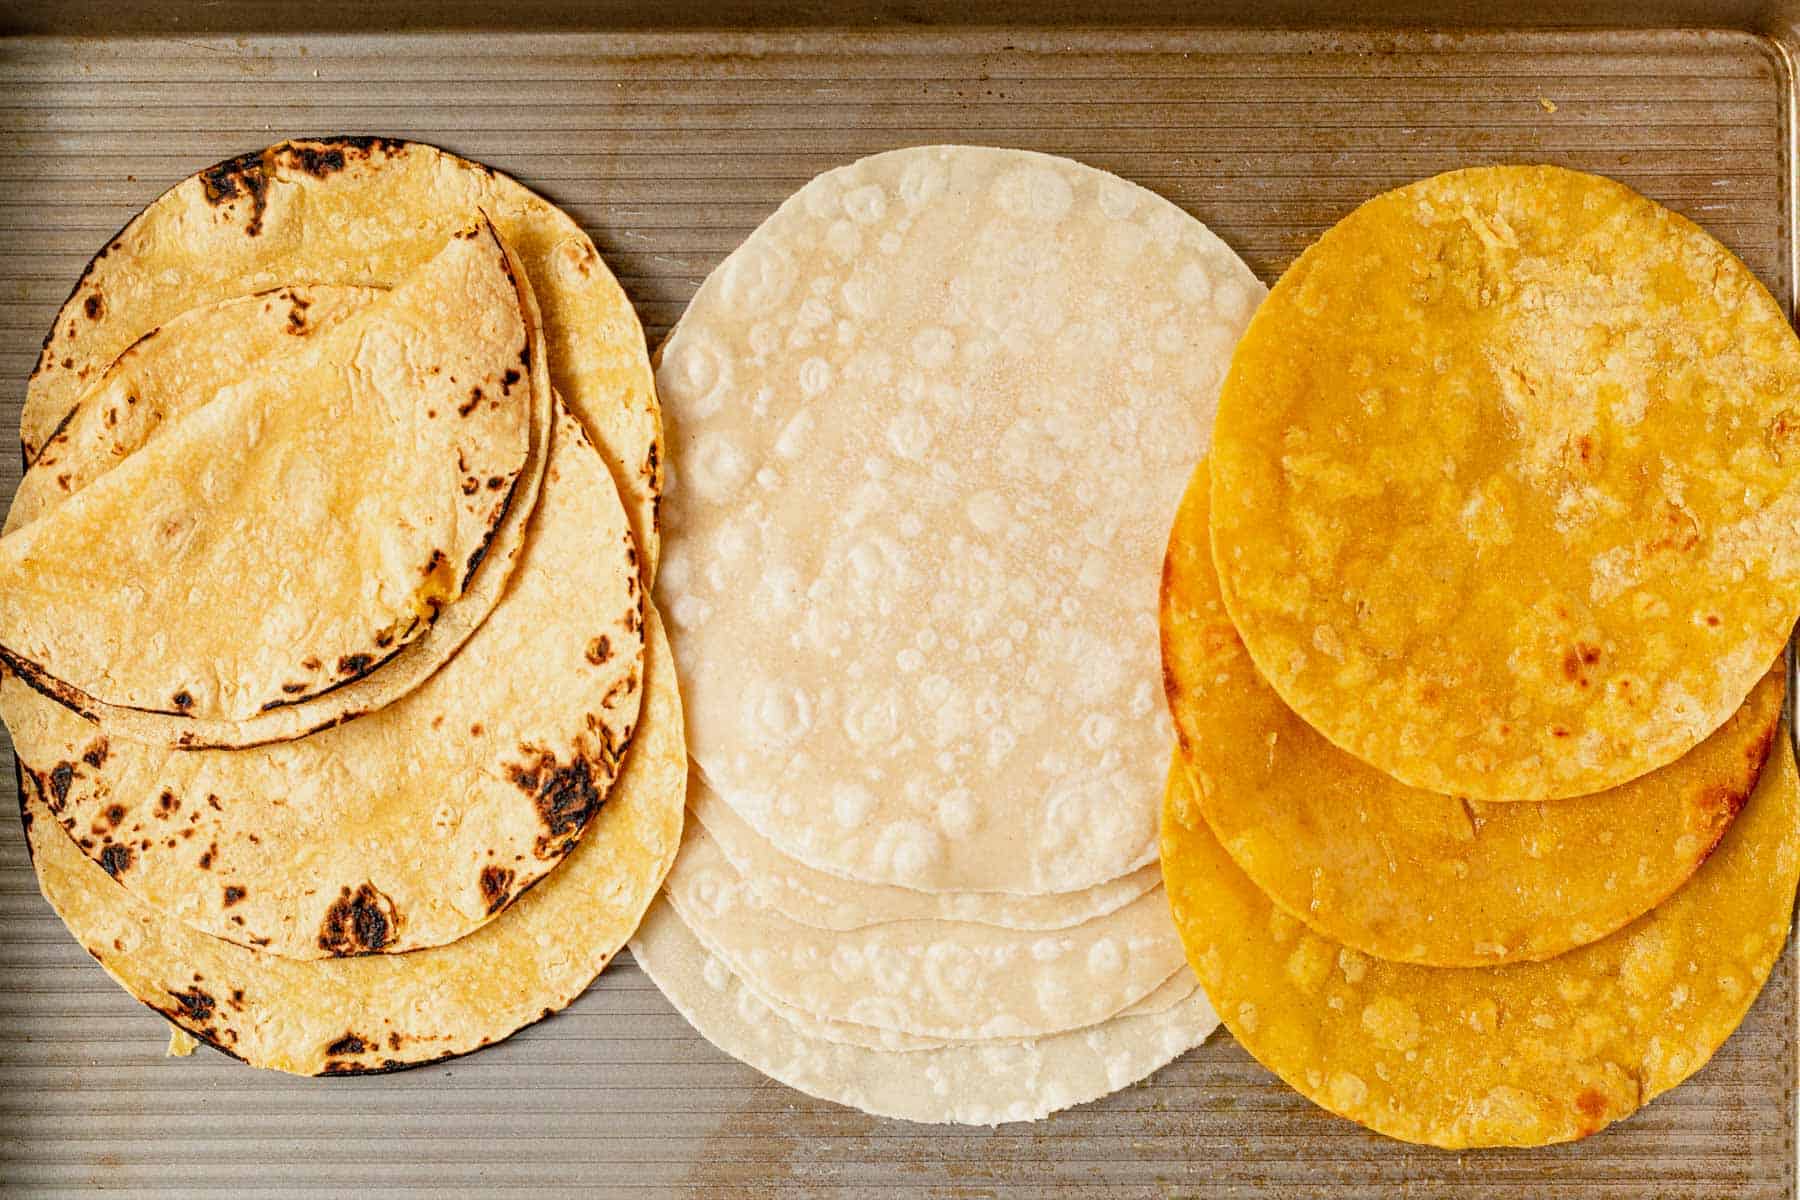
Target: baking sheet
[{"x": 669, "y": 148}]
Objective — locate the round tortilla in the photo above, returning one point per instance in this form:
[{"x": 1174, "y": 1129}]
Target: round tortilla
[
  {"x": 168, "y": 373},
  {"x": 1408, "y": 875},
  {"x": 928, "y": 423},
  {"x": 240, "y": 563},
  {"x": 981, "y": 1084},
  {"x": 368, "y": 211},
  {"x": 1520, "y": 1055},
  {"x": 812, "y": 897},
  {"x": 411, "y": 826},
  {"x": 939, "y": 979},
  {"x": 382, "y": 1012},
  {"x": 1517, "y": 523}
]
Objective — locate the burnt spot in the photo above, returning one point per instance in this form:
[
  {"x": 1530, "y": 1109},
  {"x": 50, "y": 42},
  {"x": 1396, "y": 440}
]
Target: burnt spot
[
  {"x": 233, "y": 893},
  {"x": 470, "y": 486},
  {"x": 619, "y": 692},
  {"x": 206, "y": 859},
  {"x": 350, "y": 1043},
  {"x": 293, "y": 689},
  {"x": 354, "y": 664},
  {"x": 468, "y": 406},
  {"x": 237, "y": 997},
  {"x": 114, "y": 814},
  {"x": 384, "y": 639},
  {"x": 496, "y": 482},
  {"x": 310, "y": 663},
  {"x": 95, "y": 755},
  {"x": 359, "y": 922},
  {"x": 61, "y": 776},
  {"x": 475, "y": 730},
  {"x": 182, "y": 700},
  {"x": 437, "y": 561},
  {"x": 194, "y": 1004},
  {"x": 1575, "y": 661},
  {"x": 94, "y": 306},
  {"x": 496, "y": 887},
  {"x": 116, "y": 860},
  {"x": 318, "y": 161},
  {"x": 566, "y": 797},
  {"x": 599, "y": 650},
  {"x": 245, "y": 177},
  {"x": 212, "y": 802},
  {"x": 507, "y": 380},
  {"x": 393, "y": 1042},
  {"x": 652, "y": 463}
]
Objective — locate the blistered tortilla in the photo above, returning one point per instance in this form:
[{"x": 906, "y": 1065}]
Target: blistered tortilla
[
  {"x": 940, "y": 979},
  {"x": 980, "y": 1084},
  {"x": 812, "y": 897},
  {"x": 1519, "y": 1055},
  {"x": 1405, "y": 874},
  {"x": 381, "y": 1012},
  {"x": 242, "y": 562},
  {"x": 360, "y": 211},
  {"x": 927, "y": 427},
  {"x": 1505, "y": 481},
  {"x": 409, "y": 827}
]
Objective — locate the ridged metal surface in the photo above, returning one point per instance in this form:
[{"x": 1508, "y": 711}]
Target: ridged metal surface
[{"x": 669, "y": 149}]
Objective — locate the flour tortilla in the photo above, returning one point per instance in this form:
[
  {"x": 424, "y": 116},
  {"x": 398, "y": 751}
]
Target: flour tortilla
[
  {"x": 382, "y": 1012},
  {"x": 928, "y": 424},
  {"x": 363, "y": 211},
  {"x": 416, "y": 824},
  {"x": 981, "y": 1084},
  {"x": 175, "y": 369},
  {"x": 1506, "y": 478},
  {"x": 1404, "y": 874},
  {"x": 1520, "y": 1055},
  {"x": 940, "y": 979},
  {"x": 242, "y": 561},
  {"x": 812, "y": 897}
]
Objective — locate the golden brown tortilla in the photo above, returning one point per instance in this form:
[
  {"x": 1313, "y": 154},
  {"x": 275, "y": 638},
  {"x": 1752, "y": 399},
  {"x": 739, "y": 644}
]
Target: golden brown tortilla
[
  {"x": 242, "y": 562},
  {"x": 359, "y": 210},
  {"x": 1406, "y": 874},
  {"x": 1505, "y": 478},
  {"x": 1520, "y": 1055}
]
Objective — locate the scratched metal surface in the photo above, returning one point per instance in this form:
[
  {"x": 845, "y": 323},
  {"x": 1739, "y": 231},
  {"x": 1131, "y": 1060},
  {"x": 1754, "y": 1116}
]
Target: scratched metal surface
[{"x": 669, "y": 148}]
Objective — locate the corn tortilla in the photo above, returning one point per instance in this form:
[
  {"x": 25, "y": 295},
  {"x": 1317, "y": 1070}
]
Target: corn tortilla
[{"x": 1506, "y": 477}]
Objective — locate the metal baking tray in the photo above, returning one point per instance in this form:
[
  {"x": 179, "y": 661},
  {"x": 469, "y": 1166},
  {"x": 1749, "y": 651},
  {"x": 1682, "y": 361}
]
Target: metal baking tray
[{"x": 670, "y": 136}]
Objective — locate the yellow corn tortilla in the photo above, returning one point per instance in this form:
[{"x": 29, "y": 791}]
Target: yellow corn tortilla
[
  {"x": 382, "y": 1012},
  {"x": 411, "y": 826},
  {"x": 1506, "y": 474},
  {"x": 1519, "y": 1055},
  {"x": 243, "y": 562},
  {"x": 360, "y": 211},
  {"x": 1406, "y": 874}
]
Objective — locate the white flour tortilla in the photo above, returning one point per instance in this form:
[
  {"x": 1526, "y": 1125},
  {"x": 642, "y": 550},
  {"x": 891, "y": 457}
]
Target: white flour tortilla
[
  {"x": 941, "y": 979},
  {"x": 927, "y": 428},
  {"x": 982, "y": 1084},
  {"x": 813, "y": 897}
]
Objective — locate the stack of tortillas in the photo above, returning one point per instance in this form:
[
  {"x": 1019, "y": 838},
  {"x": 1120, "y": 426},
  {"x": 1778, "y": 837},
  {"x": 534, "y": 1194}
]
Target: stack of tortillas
[
  {"x": 323, "y": 610},
  {"x": 1482, "y": 830},
  {"x": 926, "y": 428}
]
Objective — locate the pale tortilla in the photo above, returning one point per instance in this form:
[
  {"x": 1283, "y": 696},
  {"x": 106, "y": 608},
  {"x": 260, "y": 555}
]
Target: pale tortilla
[
  {"x": 368, "y": 211},
  {"x": 1520, "y": 1055},
  {"x": 982, "y": 1084},
  {"x": 1506, "y": 478},
  {"x": 1408, "y": 875},
  {"x": 382, "y": 1012},
  {"x": 168, "y": 373},
  {"x": 939, "y": 979},
  {"x": 411, "y": 826},
  {"x": 927, "y": 425},
  {"x": 241, "y": 562},
  {"x": 812, "y": 897}
]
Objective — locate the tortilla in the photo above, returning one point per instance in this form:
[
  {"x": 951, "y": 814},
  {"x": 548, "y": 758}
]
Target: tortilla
[
  {"x": 1505, "y": 481},
  {"x": 928, "y": 423},
  {"x": 168, "y": 373},
  {"x": 1404, "y": 874},
  {"x": 939, "y": 979},
  {"x": 241, "y": 562},
  {"x": 982, "y": 1084},
  {"x": 1520, "y": 1055},
  {"x": 382, "y": 1012},
  {"x": 811, "y": 897},
  {"x": 368, "y": 211},
  {"x": 416, "y": 824}
]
